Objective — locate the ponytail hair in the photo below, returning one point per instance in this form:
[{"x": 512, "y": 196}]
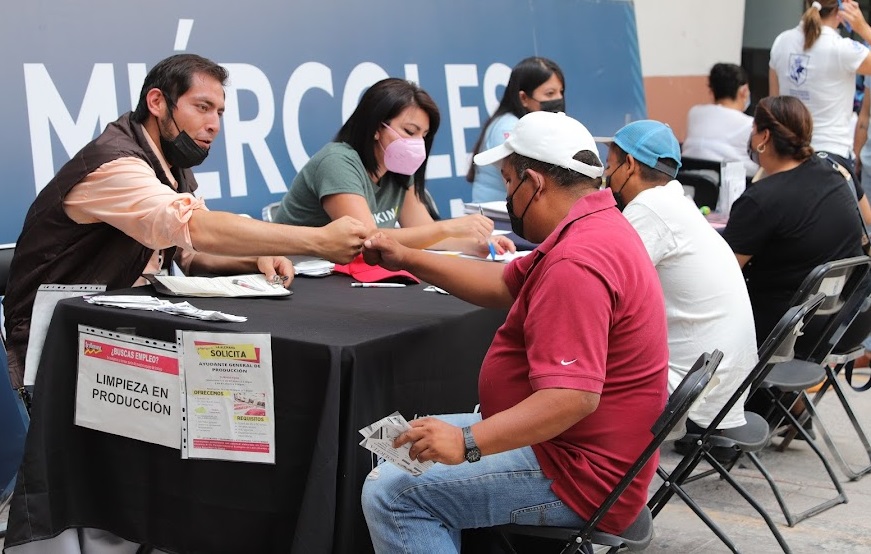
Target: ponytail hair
[{"x": 812, "y": 20}]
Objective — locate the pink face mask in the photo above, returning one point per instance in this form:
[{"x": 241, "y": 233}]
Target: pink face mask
[{"x": 404, "y": 155}]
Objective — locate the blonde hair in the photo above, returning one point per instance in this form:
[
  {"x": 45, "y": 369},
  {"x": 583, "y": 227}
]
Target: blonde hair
[{"x": 812, "y": 20}]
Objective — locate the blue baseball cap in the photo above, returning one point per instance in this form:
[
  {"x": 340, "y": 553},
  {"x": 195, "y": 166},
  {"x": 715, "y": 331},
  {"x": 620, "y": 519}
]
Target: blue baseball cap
[{"x": 650, "y": 141}]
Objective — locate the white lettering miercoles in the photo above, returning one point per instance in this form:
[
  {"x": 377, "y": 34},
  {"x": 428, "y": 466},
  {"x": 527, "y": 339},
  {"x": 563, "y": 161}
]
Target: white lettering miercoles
[{"x": 51, "y": 115}]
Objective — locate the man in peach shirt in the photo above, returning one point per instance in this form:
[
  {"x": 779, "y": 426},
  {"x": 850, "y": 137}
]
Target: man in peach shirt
[{"x": 124, "y": 205}]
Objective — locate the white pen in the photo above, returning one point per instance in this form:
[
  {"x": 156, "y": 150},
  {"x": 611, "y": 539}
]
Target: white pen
[{"x": 377, "y": 285}]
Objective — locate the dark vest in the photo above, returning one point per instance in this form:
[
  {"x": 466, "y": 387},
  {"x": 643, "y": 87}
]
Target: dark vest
[{"x": 52, "y": 248}]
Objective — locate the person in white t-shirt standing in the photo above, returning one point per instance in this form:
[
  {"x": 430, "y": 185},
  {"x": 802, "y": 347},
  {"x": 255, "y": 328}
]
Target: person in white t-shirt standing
[
  {"x": 706, "y": 301},
  {"x": 814, "y": 63},
  {"x": 719, "y": 131}
]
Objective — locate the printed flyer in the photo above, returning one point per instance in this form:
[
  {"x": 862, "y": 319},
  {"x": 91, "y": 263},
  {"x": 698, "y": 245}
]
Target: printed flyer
[
  {"x": 227, "y": 397},
  {"x": 128, "y": 386}
]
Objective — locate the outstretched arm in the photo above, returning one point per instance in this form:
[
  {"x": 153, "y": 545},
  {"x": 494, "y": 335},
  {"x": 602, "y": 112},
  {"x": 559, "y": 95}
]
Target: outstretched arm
[
  {"x": 227, "y": 234},
  {"x": 474, "y": 281}
]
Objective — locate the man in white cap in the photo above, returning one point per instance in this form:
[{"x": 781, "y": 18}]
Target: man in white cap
[
  {"x": 567, "y": 396},
  {"x": 706, "y": 300}
]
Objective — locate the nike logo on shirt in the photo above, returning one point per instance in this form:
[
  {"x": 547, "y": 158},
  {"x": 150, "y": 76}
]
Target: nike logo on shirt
[{"x": 570, "y": 362}]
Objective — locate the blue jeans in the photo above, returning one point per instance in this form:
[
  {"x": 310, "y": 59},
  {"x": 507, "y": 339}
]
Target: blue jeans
[{"x": 410, "y": 514}]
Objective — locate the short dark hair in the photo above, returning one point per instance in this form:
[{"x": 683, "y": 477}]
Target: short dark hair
[
  {"x": 648, "y": 173},
  {"x": 563, "y": 177},
  {"x": 174, "y": 76},
  {"x": 379, "y": 104},
  {"x": 725, "y": 79},
  {"x": 527, "y": 75},
  {"x": 790, "y": 124}
]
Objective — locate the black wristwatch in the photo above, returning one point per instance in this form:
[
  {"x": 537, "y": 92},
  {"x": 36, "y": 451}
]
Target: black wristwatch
[{"x": 473, "y": 453}]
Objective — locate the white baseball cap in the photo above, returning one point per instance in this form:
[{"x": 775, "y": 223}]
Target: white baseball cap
[{"x": 553, "y": 138}]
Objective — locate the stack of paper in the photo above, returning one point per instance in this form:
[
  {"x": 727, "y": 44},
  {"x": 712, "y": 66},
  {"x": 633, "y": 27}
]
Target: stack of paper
[
  {"x": 151, "y": 303},
  {"x": 309, "y": 266},
  {"x": 379, "y": 437},
  {"x": 231, "y": 286}
]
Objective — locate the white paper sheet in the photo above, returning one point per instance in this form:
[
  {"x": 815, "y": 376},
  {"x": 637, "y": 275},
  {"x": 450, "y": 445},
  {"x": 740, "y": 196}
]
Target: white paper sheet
[
  {"x": 128, "y": 386},
  {"x": 47, "y": 297},
  {"x": 227, "y": 396}
]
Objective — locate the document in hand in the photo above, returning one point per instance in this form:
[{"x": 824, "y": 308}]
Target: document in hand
[
  {"x": 230, "y": 286},
  {"x": 378, "y": 437}
]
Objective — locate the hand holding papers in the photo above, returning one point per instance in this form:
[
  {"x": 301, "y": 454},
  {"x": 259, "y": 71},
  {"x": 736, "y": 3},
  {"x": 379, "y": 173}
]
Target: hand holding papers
[{"x": 379, "y": 436}]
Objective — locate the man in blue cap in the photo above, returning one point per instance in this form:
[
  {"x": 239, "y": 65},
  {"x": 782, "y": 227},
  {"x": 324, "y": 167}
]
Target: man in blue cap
[{"x": 706, "y": 300}]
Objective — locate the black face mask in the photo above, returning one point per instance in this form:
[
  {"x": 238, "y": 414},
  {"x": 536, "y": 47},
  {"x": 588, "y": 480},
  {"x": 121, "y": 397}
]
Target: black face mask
[
  {"x": 556, "y": 105},
  {"x": 182, "y": 151},
  {"x": 617, "y": 196},
  {"x": 517, "y": 222}
]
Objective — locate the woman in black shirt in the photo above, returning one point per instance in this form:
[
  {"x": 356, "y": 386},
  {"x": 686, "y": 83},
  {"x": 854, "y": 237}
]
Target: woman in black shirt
[{"x": 800, "y": 215}]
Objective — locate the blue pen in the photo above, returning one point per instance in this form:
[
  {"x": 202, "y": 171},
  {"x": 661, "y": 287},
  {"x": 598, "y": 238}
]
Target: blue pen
[{"x": 489, "y": 244}]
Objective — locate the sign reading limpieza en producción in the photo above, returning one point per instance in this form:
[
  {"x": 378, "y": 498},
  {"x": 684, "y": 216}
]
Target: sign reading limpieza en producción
[{"x": 128, "y": 386}]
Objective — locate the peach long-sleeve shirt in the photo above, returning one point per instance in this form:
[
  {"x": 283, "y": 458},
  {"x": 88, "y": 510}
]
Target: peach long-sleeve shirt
[{"x": 126, "y": 194}]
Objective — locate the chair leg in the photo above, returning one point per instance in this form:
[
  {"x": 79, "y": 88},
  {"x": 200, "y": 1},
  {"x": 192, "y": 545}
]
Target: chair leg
[
  {"x": 750, "y": 500},
  {"x": 678, "y": 475},
  {"x": 716, "y": 529},
  {"x": 578, "y": 545},
  {"x": 841, "y": 498},
  {"x": 851, "y": 473}
]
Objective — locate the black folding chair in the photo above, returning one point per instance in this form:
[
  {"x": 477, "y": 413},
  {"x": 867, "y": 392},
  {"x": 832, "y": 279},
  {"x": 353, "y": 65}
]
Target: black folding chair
[
  {"x": 842, "y": 358},
  {"x": 748, "y": 438},
  {"x": 640, "y": 532},
  {"x": 844, "y": 282}
]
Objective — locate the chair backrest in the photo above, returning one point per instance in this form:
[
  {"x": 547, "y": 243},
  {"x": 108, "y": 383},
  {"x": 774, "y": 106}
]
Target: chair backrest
[
  {"x": 688, "y": 163},
  {"x": 679, "y": 403},
  {"x": 705, "y": 185},
  {"x": 268, "y": 211},
  {"x": 13, "y": 429},
  {"x": 6, "y": 253},
  {"x": 860, "y": 329},
  {"x": 779, "y": 344},
  {"x": 846, "y": 286}
]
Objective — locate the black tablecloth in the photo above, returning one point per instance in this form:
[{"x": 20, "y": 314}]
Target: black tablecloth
[{"x": 343, "y": 358}]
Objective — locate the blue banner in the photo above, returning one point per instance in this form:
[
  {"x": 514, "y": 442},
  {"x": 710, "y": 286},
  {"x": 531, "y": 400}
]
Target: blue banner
[{"x": 297, "y": 70}]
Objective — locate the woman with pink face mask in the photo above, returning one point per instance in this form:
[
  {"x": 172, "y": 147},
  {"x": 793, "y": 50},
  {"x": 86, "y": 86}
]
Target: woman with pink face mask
[{"x": 374, "y": 171}]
